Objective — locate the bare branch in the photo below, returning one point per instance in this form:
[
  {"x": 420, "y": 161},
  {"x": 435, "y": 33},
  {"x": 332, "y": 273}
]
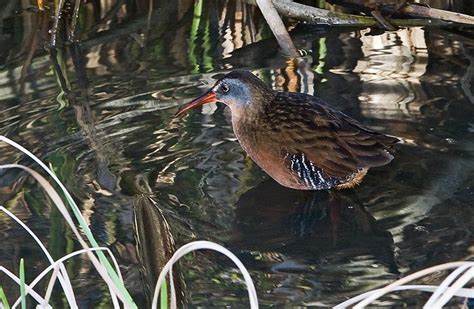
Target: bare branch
[
  {"x": 422, "y": 11},
  {"x": 318, "y": 16},
  {"x": 277, "y": 27}
]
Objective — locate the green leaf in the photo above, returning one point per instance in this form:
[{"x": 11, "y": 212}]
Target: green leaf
[
  {"x": 102, "y": 258},
  {"x": 22, "y": 284},
  {"x": 3, "y": 299},
  {"x": 164, "y": 296}
]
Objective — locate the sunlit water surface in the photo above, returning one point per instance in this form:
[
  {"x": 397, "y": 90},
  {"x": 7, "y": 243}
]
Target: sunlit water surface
[{"x": 116, "y": 128}]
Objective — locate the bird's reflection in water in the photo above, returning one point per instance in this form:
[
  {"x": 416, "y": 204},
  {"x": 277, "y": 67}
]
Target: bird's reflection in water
[{"x": 314, "y": 227}]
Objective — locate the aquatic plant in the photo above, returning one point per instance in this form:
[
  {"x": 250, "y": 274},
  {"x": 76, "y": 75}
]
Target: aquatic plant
[
  {"x": 110, "y": 274},
  {"x": 452, "y": 286}
]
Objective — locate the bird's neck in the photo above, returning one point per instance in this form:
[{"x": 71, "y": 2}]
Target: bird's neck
[
  {"x": 250, "y": 114},
  {"x": 247, "y": 122}
]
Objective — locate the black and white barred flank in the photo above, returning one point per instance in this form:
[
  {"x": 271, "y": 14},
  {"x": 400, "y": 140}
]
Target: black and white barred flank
[{"x": 312, "y": 176}]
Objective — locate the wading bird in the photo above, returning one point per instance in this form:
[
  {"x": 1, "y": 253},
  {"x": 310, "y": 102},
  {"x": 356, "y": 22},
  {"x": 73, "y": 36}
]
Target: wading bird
[{"x": 296, "y": 138}]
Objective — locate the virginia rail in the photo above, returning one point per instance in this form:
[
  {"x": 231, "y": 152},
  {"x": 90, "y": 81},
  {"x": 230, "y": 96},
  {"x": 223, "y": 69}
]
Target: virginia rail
[{"x": 296, "y": 138}]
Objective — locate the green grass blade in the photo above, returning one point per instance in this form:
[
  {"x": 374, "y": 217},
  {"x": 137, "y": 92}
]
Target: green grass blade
[
  {"x": 22, "y": 284},
  {"x": 114, "y": 276},
  {"x": 103, "y": 259},
  {"x": 3, "y": 299},
  {"x": 193, "y": 36},
  {"x": 164, "y": 296}
]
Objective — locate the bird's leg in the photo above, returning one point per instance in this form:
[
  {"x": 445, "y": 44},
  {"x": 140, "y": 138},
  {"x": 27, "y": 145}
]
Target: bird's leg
[
  {"x": 335, "y": 210},
  {"x": 362, "y": 217},
  {"x": 349, "y": 200}
]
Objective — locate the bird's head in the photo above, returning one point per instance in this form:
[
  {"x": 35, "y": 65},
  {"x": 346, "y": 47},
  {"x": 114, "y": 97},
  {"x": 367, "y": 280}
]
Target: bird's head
[{"x": 240, "y": 90}]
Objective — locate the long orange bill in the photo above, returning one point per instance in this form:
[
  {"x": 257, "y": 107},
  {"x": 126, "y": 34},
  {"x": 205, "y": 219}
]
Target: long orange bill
[{"x": 208, "y": 97}]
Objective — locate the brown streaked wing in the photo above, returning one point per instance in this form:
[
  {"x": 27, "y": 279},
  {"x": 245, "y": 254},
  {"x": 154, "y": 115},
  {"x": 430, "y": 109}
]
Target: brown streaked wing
[{"x": 334, "y": 142}]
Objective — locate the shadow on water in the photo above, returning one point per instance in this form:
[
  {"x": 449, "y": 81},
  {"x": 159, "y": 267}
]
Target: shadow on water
[
  {"x": 101, "y": 112},
  {"x": 283, "y": 219},
  {"x": 315, "y": 237}
]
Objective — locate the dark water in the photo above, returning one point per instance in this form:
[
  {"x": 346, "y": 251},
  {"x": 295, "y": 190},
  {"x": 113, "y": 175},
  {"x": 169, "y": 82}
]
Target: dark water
[{"x": 101, "y": 113}]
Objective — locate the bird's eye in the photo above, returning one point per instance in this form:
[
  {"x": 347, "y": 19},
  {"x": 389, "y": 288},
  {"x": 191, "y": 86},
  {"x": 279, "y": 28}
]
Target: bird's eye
[{"x": 225, "y": 87}]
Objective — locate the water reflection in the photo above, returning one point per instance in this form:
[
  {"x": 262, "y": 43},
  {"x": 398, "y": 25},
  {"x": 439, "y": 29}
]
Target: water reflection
[
  {"x": 115, "y": 119},
  {"x": 291, "y": 233},
  {"x": 155, "y": 246}
]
